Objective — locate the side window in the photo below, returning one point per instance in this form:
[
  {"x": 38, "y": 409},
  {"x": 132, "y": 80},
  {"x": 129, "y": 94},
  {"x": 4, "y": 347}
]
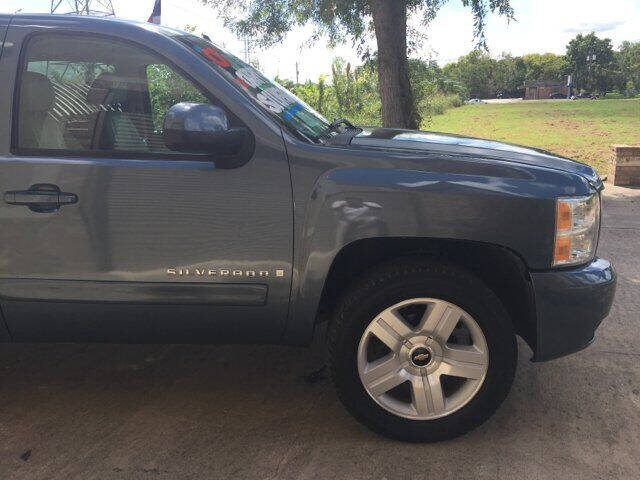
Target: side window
[
  {"x": 167, "y": 88},
  {"x": 82, "y": 94}
]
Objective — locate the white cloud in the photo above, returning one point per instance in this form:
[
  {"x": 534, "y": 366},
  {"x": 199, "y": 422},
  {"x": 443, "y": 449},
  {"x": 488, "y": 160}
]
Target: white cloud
[
  {"x": 597, "y": 27},
  {"x": 540, "y": 26}
]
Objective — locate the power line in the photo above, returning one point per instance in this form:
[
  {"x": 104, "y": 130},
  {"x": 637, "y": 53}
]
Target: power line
[{"x": 98, "y": 8}]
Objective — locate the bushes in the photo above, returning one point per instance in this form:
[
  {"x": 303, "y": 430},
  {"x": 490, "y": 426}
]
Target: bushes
[
  {"x": 630, "y": 90},
  {"x": 353, "y": 92},
  {"x": 437, "y": 104}
]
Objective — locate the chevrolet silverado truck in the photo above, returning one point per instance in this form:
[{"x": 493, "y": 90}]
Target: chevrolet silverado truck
[{"x": 155, "y": 188}]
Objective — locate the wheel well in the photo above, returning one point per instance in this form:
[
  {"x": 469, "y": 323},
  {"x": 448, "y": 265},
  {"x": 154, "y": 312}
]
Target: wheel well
[{"x": 502, "y": 270}]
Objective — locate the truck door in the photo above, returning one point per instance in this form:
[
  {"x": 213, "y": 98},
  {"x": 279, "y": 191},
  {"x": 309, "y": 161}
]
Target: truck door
[{"x": 106, "y": 234}]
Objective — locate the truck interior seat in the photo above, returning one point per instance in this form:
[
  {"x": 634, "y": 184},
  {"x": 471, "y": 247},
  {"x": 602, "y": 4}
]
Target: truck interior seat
[
  {"x": 37, "y": 128},
  {"x": 118, "y": 126}
]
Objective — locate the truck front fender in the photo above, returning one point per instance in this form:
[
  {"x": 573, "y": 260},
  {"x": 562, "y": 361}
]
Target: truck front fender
[{"x": 350, "y": 204}]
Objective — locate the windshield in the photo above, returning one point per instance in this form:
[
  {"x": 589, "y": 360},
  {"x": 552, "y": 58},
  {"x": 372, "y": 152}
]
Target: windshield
[{"x": 266, "y": 93}]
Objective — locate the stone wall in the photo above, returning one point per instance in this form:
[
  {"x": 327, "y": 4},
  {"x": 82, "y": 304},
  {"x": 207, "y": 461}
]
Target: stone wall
[{"x": 625, "y": 166}]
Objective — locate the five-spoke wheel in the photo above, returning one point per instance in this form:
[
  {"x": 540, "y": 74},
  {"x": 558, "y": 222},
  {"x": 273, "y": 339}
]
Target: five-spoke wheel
[
  {"x": 433, "y": 346},
  {"x": 421, "y": 350}
]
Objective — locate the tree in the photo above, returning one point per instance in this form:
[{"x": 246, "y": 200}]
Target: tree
[
  {"x": 426, "y": 79},
  {"x": 591, "y": 60},
  {"x": 166, "y": 88},
  {"x": 474, "y": 70},
  {"x": 509, "y": 75},
  {"x": 322, "y": 94},
  {"x": 385, "y": 20},
  {"x": 545, "y": 66},
  {"x": 628, "y": 65},
  {"x": 344, "y": 84}
]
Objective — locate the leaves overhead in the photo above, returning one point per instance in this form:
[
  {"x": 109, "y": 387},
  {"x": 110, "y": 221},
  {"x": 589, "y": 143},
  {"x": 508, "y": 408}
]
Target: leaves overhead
[{"x": 268, "y": 21}]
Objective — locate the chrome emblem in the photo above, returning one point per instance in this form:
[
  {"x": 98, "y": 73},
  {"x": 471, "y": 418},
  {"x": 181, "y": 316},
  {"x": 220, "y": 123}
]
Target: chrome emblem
[{"x": 223, "y": 272}]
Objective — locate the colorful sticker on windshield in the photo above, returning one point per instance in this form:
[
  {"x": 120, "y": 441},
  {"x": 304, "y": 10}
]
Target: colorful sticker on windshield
[{"x": 270, "y": 96}]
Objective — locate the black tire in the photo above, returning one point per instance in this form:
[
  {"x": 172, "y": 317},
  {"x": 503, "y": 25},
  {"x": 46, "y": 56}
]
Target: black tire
[{"x": 411, "y": 278}]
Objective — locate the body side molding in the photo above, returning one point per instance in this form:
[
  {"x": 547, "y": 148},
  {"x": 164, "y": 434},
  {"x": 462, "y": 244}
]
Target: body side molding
[{"x": 67, "y": 291}]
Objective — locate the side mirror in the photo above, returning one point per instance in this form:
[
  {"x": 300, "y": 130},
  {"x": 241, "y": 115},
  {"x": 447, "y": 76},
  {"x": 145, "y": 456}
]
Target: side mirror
[{"x": 201, "y": 128}]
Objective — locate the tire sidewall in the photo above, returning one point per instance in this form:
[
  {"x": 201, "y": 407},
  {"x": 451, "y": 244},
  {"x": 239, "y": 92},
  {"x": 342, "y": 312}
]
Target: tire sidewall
[{"x": 460, "y": 289}]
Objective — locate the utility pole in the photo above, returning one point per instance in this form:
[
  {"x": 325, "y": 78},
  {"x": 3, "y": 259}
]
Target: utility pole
[
  {"x": 248, "y": 50},
  {"x": 97, "y": 8},
  {"x": 591, "y": 58},
  {"x": 297, "y": 74}
]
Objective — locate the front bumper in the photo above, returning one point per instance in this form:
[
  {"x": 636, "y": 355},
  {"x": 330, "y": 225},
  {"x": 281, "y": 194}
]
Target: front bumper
[{"x": 570, "y": 305}]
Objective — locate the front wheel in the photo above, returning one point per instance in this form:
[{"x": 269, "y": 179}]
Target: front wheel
[{"x": 421, "y": 351}]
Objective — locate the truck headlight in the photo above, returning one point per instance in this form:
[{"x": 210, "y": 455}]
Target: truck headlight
[{"x": 577, "y": 228}]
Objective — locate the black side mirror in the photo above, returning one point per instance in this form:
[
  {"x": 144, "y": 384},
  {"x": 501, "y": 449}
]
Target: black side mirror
[{"x": 201, "y": 128}]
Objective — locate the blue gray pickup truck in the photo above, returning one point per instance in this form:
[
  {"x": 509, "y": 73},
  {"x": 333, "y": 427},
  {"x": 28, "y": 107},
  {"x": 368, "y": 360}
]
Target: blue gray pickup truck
[{"x": 155, "y": 188}]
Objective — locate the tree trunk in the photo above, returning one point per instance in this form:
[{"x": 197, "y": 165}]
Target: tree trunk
[{"x": 396, "y": 95}]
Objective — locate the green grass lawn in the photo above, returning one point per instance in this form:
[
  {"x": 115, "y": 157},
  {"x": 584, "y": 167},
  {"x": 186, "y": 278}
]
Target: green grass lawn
[{"x": 583, "y": 129}]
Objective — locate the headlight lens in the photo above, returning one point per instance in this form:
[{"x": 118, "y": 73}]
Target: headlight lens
[{"x": 577, "y": 226}]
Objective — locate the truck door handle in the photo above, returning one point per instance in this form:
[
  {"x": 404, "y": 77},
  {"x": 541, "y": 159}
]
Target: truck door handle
[{"x": 41, "y": 198}]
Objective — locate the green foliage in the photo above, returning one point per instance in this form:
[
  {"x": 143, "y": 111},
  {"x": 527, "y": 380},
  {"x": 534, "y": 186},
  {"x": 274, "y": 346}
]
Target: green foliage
[
  {"x": 630, "y": 90},
  {"x": 485, "y": 77},
  {"x": 353, "y": 92},
  {"x": 322, "y": 94},
  {"x": 437, "y": 104},
  {"x": 591, "y": 74},
  {"x": 509, "y": 75},
  {"x": 628, "y": 66},
  {"x": 167, "y": 88},
  {"x": 545, "y": 66},
  {"x": 268, "y": 21},
  {"x": 344, "y": 85},
  {"x": 475, "y": 72},
  {"x": 434, "y": 92},
  {"x": 427, "y": 79}
]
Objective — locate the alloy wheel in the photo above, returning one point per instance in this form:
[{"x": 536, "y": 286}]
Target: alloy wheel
[{"x": 423, "y": 358}]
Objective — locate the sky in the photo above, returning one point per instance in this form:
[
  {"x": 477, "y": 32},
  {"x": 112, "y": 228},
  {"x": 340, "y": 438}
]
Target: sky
[{"x": 540, "y": 26}]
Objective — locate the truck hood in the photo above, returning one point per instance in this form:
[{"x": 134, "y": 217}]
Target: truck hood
[{"x": 413, "y": 140}]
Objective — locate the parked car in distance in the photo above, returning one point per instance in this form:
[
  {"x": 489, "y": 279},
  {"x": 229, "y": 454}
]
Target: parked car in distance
[
  {"x": 583, "y": 96},
  {"x": 156, "y": 188}
]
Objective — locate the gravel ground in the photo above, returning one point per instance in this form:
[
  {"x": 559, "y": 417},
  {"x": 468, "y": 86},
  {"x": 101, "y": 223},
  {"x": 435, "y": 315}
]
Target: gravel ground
[{"x": 195, "y": 412}]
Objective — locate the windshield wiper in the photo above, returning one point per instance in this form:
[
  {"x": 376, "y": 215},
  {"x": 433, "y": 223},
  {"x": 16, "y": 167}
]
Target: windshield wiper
[
  {"x": 344, "y": 135},
  {"x": 335, "y": 126}
]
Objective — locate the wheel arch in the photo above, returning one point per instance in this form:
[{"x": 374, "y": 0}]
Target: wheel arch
[
  {"x": 501, "y": 269},
  {"x": 360, "y": 217}
]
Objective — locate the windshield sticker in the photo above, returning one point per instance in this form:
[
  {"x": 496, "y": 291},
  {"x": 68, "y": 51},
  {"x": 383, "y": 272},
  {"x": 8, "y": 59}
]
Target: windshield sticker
[
  {"x": 275, "y": 99},
  {"x": 252, "y": 77},
  {"x": 242, "y": 83},
  {"x": 291, "y": 111},
  {"x": 215, "y": 56},
  {"x": 267, "y": 93}
]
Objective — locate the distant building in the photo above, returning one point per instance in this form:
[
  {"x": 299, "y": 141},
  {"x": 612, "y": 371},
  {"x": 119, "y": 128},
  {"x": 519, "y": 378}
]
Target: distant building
[{"x": 544, "y": 90}]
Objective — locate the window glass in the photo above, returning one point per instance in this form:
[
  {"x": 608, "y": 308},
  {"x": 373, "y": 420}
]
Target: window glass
[
  {"x": 87, "y": 94},
  {"x": 268, "y": 94},
  {"x": 167, "y": 88}
]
